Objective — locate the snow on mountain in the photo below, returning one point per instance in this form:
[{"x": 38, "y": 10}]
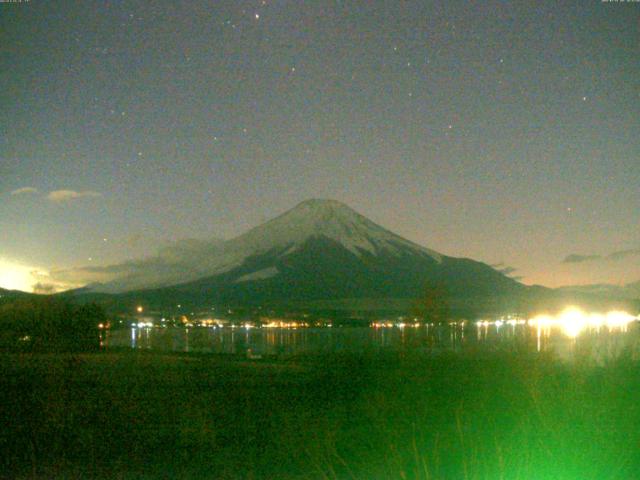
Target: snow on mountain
[
  {"x": 259, "y": 275},
  {"x": 312, "y": 219},
  {"x": 330, "y": 219}
]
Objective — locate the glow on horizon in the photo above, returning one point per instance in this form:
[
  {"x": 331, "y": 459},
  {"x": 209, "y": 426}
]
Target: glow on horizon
[{"x": 16, "y": 276}]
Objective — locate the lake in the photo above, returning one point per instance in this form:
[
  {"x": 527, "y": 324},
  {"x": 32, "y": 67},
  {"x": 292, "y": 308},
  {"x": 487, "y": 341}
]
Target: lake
[{"x": 598, "y": 343}]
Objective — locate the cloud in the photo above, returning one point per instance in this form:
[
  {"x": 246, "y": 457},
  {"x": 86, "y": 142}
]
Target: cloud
[
  {"x": 575, "y": 258},
  {"x": 42, "y": 281},
  {"x": 619, "y": 255},
  {"x": 44, "y": 288},
  {"x": 612, "y": 257},
  {"x": 16, "y": 275},
  {"x": 505, "y": 270},
  {"x": 24, "y": 190},
  {"x": 59, "y": 196},
  {"x": 178, "y": 262}
]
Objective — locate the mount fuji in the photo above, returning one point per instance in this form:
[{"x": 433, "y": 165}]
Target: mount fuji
[{"x": 319, "y": 251}]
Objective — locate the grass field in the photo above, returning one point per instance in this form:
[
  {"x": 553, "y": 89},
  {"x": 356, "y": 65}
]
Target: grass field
[{"x": 491, "y": 415}]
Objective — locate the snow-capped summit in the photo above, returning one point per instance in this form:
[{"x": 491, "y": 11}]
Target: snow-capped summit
[{"x": 330, "y": 219}]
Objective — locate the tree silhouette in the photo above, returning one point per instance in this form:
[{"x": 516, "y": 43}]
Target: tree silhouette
[{"x": 433, "y": 305}]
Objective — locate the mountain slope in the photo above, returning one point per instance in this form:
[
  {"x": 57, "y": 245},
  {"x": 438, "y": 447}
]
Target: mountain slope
[
  {"x": 284, "y": 234},
  {"x": 8, "y": 296},
  {"x": 323, "y": 268},
  {"x": 322, "y": 250}
]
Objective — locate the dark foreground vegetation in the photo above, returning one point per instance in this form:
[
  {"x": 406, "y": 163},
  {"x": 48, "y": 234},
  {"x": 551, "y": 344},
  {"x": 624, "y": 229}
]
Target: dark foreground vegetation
[
  {"x": 48, "y": 324},
  {"x": 497, "y": 415}
]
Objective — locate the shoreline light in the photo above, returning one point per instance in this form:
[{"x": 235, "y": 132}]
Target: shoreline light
[{"x": 573, "y": 321}]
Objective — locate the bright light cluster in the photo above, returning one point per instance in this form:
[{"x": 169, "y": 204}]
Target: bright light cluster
[
  {"x": 500, "y": 322},
  {"x": 574, "y": 321},
  {"x": 142, "y": 324},
  {"x": 282, "y": 324},
  {"x": 395, "y": 324}
]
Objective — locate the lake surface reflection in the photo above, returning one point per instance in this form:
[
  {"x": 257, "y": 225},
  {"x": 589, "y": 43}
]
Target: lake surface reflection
[{"x": 598, "y": 344}]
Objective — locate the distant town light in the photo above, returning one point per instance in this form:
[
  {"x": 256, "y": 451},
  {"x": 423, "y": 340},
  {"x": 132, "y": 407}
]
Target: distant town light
[
  {"x": 574, "y": 321},
  {"x": 139, "y": 309}
]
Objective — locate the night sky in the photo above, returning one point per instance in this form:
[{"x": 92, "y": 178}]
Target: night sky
[{"x": 508, "y": 132}]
